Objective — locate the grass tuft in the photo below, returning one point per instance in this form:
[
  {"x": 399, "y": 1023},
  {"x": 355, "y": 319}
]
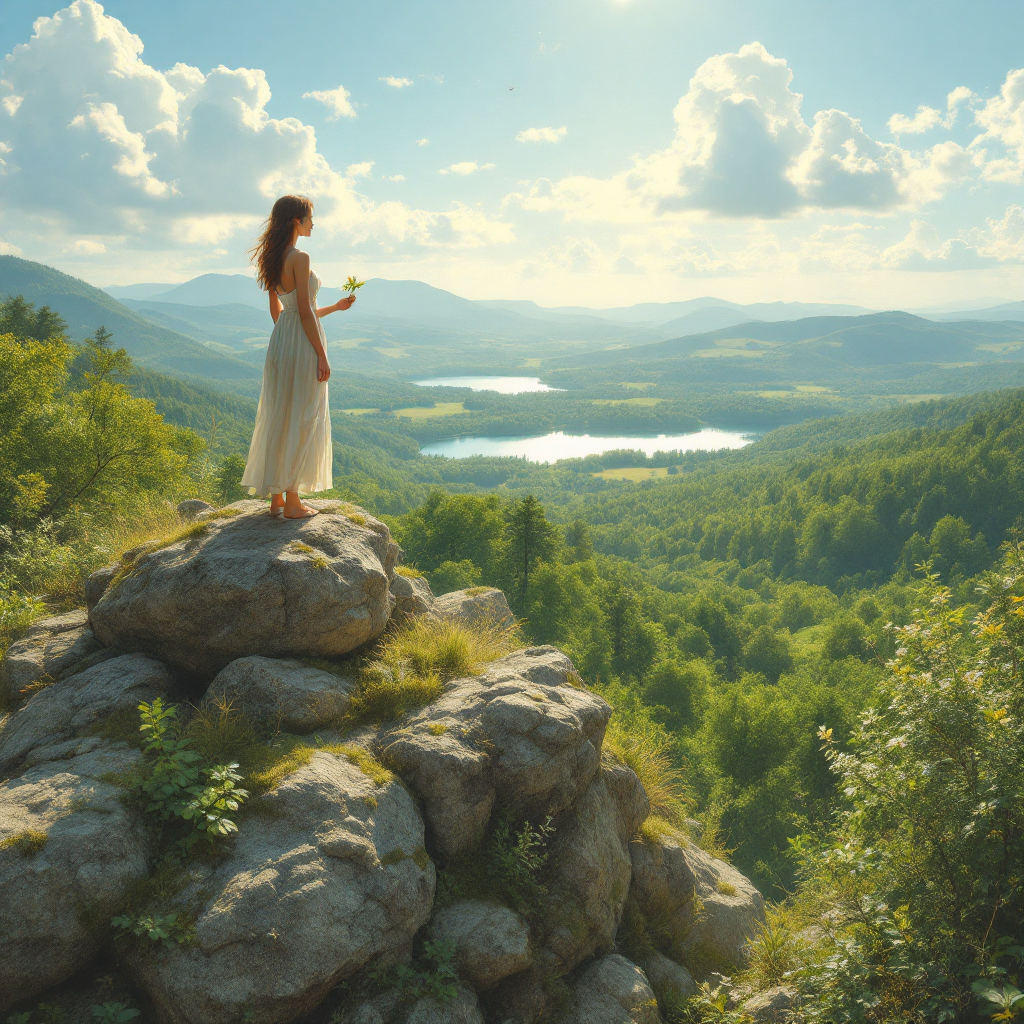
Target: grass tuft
[
  {"x": 437, "y": 728},
  {"x": 408, "y": 571},
  {"x": 363, "y": 760},
  {"x": 299, "y": 548},
  {"x": 28, "y": 842},
  {"x": 726, "y": 888},
  {"x": 448, "y": 648},
  {"x": 320, "y": 562}
]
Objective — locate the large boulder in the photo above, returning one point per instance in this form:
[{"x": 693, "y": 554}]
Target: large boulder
[
  {"x": 520, "y": 735},
  {"x": 589, "y": 874},
  {"x": 772, "y": 1005},
  {"x": 49, "y": 649},
  {"x": 96, "y": 584},
  {"x": 328, "y": 872},
  {"x": 238, "y": 582},
  {"x": 475, "y": 606},
  {"x": 60, "y": 720},
  {"x": 283, "y": 693},
  {"x": 613, "y": 991},
  {"x": 193, "y": 508},
  {"x": 491, "y": 941},
  {"x": 69, "y": 851},
  {"x": 708, "y": 909},
  {"x": 672, "y": 983},
  {"x": 462, "y": 1008},
  {"x": 413, "y": 597}
]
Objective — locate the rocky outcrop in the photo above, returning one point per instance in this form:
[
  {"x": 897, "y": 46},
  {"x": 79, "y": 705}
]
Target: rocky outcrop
[
  {"x": 589, "y": 880},
  {"x": 708, "y": 908},
  {"x": 519, "y": 734},
  {"x": 193, "y": 508},
  {"x": 491, "y": 941},
  {"x": 238, "y": 582},
  {"x": 477, "y": 605},
  {"x": 413, "y": 597},
  {"x": 672, "y": 983},
  {"x": 328, "y": 873},
  {"x": 283, "y": 694},
  {"x": 49, "y": 649},
  {"x": 69, "y": 850},
  {"x": 96, "y": 585},
  {"x": 58, "y": 721},
  {"x": 773, "y": 1005},
  {"x": 613, "y": 991}
]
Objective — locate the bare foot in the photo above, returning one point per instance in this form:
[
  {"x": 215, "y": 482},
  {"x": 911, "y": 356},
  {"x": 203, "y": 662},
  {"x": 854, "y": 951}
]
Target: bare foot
[{"x": 302, "y": 512}]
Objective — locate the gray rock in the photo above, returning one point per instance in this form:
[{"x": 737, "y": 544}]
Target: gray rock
[
  {"x": 377, "y": 1010},
  {"x": 628, "y": 792},
  {"x": 671, "y": 982},
  {"x": 589, "y": 873},
  {"x": 773, "y": 1005},
  {"x": 477, "y": 605},
  {"x": 413, "y": 597},
  {"x": 249, "y": 584},
  {"x": 528, "y": 997},
  {"x": 280, "y": 692},
  {"x": 69, "y": 850},
  {"x": 462, "y": 1009},
  {"x": 328, "y": 872},
  {"x": 56, "y": 716},
  {"x": 491, "y": 941},
  {"x": 613, "y": 991},
  {"x": 706, "y": 906},
  {"x": 48, "y": 650},
  {"x": 96, "y": 584},
  {"x": 519, "y": 736},
  {"x": 189, "y": 510}
]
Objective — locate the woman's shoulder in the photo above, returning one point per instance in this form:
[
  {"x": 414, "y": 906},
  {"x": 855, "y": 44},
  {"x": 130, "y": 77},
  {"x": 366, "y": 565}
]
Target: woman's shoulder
[{"x": 297, "y": 258}]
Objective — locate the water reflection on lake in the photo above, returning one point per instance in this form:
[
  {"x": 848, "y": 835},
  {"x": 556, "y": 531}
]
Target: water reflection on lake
[
  {"x": 503, "y": 385},
  {"x": 558, "y": 445}
]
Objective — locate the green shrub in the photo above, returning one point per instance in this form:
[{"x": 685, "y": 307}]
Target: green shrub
[
  {"x": 922, "y": 879},
  {"x": 114, "y": 1013}
]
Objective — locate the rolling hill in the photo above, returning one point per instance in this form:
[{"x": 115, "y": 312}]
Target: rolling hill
[{"x": 86, "y": 308}]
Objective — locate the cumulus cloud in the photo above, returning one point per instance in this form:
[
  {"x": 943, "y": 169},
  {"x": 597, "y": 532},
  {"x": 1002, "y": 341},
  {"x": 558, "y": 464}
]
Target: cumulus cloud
[
  {"x": 396, "y": 83},
  {"x": 336, "y": 101},
  {"x": 423, "y": 142},
  {"x": 1002, "y": 121},
  {"x": 465, "y": 167},
  {"x": 359, "y": 170},
  {"x": 928, "y": 118},
  {"x": 1001, "y": 241},
  {"x": 394, "y": 177},
  {"x": 743, "y": 149},
  {"x": 96, "y": 143},
  {"x": 542, "y": 134}
]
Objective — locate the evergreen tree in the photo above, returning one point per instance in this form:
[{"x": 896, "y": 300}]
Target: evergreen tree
[{"x": 531, "y": 539}]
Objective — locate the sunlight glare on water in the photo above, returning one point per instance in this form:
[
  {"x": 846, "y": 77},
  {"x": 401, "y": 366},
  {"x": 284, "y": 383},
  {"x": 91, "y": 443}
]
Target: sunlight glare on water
[
  {"x": 503, "y": 385},
  {"x": 558, "y": 445}
]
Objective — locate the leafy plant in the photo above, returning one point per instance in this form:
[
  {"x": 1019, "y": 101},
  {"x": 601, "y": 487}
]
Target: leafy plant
[
  {"x": 166, "y": 929},
  {"x": 178, "y": 786},
  {"x": 114, "y": 1013},
  {"x": 431, "y": 975},
  {"x": 352, "y": 285}
]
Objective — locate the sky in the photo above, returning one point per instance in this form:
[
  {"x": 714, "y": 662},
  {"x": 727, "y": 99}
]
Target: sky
[{"x": 592, "y": 152}]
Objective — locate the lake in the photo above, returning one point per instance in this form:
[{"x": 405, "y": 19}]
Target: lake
[
  {"x": 558, "y": 445},
  {"x": 503, "y": 385}
]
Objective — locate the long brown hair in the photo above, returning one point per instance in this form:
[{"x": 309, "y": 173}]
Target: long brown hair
[{"x": 269, "y": 252}]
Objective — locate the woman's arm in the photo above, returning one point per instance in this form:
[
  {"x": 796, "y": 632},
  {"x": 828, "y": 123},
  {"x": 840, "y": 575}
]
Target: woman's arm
[
  {"x": 275, "y": 305},
  {"x": 307, "y": 314},
  {"x": 334, "y": 307}
]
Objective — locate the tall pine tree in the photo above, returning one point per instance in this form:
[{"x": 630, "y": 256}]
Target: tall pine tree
[{"x": 531, "y": 539}]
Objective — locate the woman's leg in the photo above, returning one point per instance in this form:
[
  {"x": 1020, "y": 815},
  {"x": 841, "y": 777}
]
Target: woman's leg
[
  {"x": 294, "y": 508},
  {"x": 276, "y": 503}
]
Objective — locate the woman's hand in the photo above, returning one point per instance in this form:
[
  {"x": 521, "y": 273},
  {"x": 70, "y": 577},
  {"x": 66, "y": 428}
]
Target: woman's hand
[
  {"x": 323, "y": 368},
  {"x": 346, "y": 302}
]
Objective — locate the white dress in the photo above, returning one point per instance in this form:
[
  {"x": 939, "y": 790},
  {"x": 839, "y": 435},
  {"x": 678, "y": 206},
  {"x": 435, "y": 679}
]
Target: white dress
[{"x": 291, "y": 444}]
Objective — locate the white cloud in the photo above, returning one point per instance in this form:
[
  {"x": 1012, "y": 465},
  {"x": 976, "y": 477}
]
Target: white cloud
[
  {"x": 928, "y": 118},
  {"x": 394, "y": 177},
  {"x": 396, "y": 83},
  {"x": 465, "y": 167},
  {"x": 336, "y": 101},
  {"x": 542, "y": 134},
  {"x": 1002, "y": 119},
  {"x": 423, "y": 142},
  {"x": 359, "y": 170},
  {"x": 743, "y": 149},
  {"x": 102, "y": 145},
  {"x": 999, "y": 242},
  {"x": 87, "y": 247}
]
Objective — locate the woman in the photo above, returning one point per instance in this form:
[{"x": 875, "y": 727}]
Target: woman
[{"x": 291, "y": 445}]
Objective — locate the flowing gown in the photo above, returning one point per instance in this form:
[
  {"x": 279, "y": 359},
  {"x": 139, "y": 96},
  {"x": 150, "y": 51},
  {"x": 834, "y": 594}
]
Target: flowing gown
[{"x": 291, "y": 445}]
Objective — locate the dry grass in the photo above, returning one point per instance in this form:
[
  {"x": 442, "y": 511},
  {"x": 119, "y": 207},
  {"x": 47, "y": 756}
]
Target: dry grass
[
  {"x": 648, "y": 753},
  {"x": 775, "y": 951},
  {"x": 408, "y": 571},
  {"x": 28, "y": 842},
  {"x": 363, "y": 760}
]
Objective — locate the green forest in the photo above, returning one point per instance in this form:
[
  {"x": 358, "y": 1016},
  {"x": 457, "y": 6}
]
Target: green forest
[{"x": 805, "y": 632}]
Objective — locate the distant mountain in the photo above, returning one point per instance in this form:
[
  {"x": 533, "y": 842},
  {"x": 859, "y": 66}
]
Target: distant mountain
[
  {"x": 136, "y": 291},
  {"x": 86, "y": 308},
  {"x": 1006, "y": 311}
]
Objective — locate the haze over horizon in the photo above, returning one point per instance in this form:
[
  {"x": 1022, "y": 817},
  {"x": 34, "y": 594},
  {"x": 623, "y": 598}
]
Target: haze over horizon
[{"x": 597, "y": 154}]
